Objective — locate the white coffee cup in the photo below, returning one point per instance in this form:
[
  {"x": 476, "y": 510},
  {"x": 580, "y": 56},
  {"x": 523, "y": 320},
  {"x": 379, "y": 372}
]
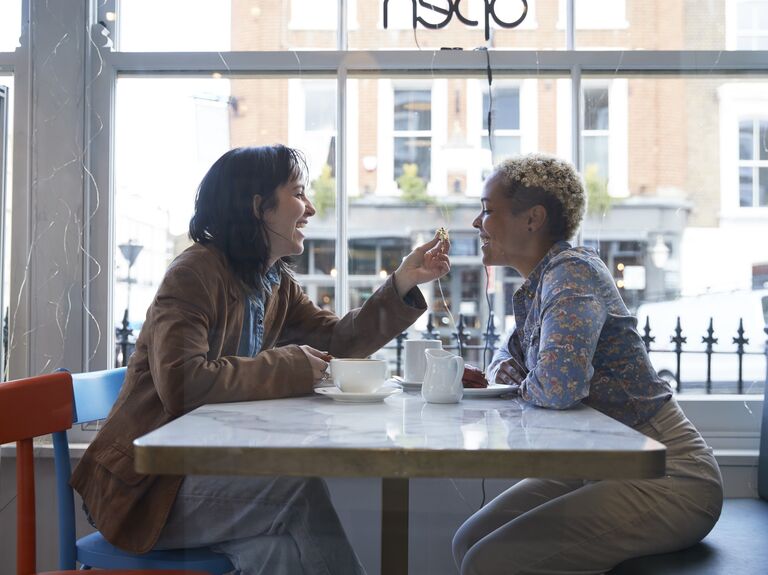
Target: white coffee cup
[
  {"x": 353, "y": 375},
  {"x": 415, "y": 361}
]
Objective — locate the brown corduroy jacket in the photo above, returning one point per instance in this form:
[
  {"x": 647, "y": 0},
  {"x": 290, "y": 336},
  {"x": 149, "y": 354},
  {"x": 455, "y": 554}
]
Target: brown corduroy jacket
[{"x": 186, "y": 357}]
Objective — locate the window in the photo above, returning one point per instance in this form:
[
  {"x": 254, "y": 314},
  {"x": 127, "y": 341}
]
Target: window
[
  {"x": 743, "y": 149},
  {"x": 668, "y": 144},
  {"x": 515, "y": 123},
  {"x": 315, "y": 128},
  {"x": 753, "y": 162},
  {"x": 412, "y": 137},
  {"x": 505, "y": 122},
  {"x": 605, "y": 132},
  {"x": 595, "y": 134},
  {"x": 747, "y": 24}
]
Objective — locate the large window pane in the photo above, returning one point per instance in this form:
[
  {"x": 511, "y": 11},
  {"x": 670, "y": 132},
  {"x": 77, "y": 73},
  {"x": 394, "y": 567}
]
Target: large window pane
[
  {"x": 694, "y": 215},
  {"x": 223, "y": 25},
  {"x": 192, "y": 122}
]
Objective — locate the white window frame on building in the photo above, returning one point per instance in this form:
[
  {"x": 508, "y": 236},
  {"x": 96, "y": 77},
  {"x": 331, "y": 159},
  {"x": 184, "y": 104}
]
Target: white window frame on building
[
  {"x": 386, "y": 181},
  {"x": 618, "y": 132},
  {"x": 527, "y": 132},
  {"x": 739, "y": 102}
]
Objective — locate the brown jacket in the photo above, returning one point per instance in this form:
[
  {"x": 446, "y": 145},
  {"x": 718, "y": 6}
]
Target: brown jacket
[{"x": 185, "y": 357}]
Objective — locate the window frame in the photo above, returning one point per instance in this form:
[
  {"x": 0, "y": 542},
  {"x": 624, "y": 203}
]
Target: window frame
[
  {"x": 101, "y": 67},
  {"x": 385, "y": 181},
  {"x": 529, "y": 126},
  {"x": 738, "y": 100}
]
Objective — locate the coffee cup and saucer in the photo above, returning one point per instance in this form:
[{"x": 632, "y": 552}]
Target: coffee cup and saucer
[{"x": 358, "y": 381}]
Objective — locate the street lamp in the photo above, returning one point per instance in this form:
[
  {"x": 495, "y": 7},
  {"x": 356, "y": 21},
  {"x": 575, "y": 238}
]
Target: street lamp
[{"x": 130, "y": 252}]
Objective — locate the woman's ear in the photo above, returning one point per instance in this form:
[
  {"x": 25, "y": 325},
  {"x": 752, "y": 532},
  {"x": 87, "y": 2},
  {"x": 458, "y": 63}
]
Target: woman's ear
[
  {"x": 537, "y": 217},
  {"x": 257, "y": 206}
]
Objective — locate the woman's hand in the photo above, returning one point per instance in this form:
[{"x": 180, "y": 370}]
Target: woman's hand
[
  {"x": 318, "y": 360},
  {"x": 425, "y": 263},
  {"x": 510, "y": 372}
]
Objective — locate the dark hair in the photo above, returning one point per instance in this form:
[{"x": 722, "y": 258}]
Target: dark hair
[{"x": 224, "y": 205}]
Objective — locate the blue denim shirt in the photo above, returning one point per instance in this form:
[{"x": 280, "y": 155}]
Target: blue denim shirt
[
  {"x": 578, "y": 341},
  {"x": 252, "y": 335}
]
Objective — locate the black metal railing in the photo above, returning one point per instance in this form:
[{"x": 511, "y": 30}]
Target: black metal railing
[
  {"x": 462, "y": 335},
  {"x": 479, "y": 347},
  {"x": 680, "y": 342}
]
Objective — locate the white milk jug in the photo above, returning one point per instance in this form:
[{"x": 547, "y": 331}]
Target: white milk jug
[{"x": 442, "y": 379}]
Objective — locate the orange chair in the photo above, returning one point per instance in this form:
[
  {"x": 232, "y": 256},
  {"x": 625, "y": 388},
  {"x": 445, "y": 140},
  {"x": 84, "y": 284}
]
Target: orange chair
[{"x": 29, "y": 408}]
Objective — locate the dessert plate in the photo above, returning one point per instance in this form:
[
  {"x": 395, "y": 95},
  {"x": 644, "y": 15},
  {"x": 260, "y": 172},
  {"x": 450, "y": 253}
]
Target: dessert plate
[
  {"x": 493, "y": 390},
  {"x": 346, "y": 397}
]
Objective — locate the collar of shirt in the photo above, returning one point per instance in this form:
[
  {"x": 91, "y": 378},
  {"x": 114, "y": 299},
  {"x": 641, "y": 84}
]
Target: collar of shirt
[
  {"x": 522, "y": 298},
  {"x": 272, "y": 278},
  {"x": 531, "y": 284}
]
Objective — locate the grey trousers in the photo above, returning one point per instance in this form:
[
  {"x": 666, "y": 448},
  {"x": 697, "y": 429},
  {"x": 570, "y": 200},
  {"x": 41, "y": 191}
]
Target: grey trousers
[
  {"x": 559, "y": 527},
  {"x": 265, "y": 525}
]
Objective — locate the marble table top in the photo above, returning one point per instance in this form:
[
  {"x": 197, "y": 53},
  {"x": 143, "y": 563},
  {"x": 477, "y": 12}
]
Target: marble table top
[{"x": 400, "y": 437}]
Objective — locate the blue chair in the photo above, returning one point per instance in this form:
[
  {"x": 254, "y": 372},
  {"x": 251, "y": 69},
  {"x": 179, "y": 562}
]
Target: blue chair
[
  {"x": 94, "y": 395},
  {"x": 733, "y": 546}
]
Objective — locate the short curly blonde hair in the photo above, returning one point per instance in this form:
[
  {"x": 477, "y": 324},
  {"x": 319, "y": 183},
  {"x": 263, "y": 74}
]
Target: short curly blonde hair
[{"x": 540, "y": 179}]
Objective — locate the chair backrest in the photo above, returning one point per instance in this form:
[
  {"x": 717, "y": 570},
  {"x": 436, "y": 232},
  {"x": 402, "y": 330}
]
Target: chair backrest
[
  {"x": 762, "y": 463},
  {"x": 94, "y": 394},
  {"x": 29, "y": 408}
]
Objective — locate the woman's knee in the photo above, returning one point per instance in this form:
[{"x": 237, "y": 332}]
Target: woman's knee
[
  {"x": 463, "y": 540},
  {"x": 479, "y": 560}
]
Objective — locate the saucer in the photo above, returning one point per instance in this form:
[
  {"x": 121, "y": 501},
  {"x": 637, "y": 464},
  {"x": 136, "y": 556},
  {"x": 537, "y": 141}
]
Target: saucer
[
  {"x": 347, "y": 397},
  {"x": 407, "y": 385},
  {"x": 493, "y": 390}
]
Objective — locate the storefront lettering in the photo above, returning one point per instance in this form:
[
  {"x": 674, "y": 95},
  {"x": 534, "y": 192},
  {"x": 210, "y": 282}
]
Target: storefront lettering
[{"x": 453, "y": 7}]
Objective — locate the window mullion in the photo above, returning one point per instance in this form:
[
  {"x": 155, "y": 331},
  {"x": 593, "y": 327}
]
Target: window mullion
[{"x": 342, "y": 211}]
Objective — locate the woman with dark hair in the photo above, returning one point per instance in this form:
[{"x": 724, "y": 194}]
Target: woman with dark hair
[
  {"x": 575, "y": 342},
  {"x": 230, "y": 323}
]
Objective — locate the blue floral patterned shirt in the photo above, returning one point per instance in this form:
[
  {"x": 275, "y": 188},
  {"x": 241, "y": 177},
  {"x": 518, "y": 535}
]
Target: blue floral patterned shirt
[{"x": 577, "y": 341}]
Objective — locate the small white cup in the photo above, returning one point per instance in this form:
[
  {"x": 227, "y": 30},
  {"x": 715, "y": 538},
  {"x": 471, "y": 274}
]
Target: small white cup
[
  {"x": 353, "y": 375},
  {"x": 415, "y": 361}
]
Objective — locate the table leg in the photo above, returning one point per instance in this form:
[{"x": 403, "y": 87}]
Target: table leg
[{"x": 394, "y": 526}]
